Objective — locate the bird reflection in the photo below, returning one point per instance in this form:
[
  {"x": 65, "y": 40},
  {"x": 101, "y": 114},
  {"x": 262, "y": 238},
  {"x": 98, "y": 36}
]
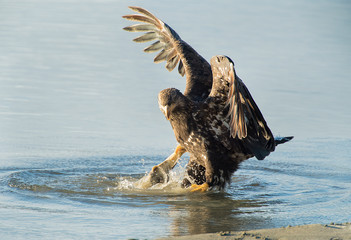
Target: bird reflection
[{"x": 212, "y": 212}]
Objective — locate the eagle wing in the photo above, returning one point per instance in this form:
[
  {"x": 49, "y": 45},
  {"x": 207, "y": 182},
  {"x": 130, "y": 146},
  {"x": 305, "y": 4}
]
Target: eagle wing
[
  {"x": 173, "y": 50},
  {"x": 244, "y": 119}
]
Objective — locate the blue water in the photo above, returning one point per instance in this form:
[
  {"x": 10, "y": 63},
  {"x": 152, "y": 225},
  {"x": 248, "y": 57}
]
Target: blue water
[{"x": 80, "y": 124}]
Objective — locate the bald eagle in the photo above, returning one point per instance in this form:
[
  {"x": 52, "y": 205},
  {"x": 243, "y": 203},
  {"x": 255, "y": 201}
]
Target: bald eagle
[{"x": 216, "y": 120}]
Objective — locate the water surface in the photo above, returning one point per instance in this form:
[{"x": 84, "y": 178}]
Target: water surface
[{"x": 80, "y": 124}]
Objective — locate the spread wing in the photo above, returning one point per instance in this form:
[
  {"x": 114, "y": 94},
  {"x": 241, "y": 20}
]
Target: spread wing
[
  {"x": 174, "y": 51},
  {"x": 244, "y": 119}
]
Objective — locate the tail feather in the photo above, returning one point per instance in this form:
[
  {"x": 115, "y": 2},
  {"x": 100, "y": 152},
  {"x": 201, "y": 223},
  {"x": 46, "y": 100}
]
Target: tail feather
[{"x": 280, "y": 140}]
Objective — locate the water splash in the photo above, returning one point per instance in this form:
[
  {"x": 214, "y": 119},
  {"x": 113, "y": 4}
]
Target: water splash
[{"x": 144, "y": 185}]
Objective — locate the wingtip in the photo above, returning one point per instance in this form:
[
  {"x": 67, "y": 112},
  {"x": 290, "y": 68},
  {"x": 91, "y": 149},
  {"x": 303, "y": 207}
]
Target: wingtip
[
  {"x": 128, "y": 17},
  {"x": 133, "y": 7},
  {"x": 127, "y": 29}
]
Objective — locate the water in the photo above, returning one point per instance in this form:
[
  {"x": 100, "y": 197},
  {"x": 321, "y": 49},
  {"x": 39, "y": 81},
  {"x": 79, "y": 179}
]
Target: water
[{"x": 80, "y": 124}]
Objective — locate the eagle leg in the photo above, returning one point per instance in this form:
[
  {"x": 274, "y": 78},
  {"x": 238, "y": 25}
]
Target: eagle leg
[
  {"x": 159, "y": 173},
  {"x": 199, "y": 188}
]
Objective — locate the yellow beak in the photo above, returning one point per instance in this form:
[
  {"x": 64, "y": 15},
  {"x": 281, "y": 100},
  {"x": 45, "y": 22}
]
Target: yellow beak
[{"x": 167, "y": 113}]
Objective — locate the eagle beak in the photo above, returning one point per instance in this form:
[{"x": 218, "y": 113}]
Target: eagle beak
[{"x": 167, "y": 112}]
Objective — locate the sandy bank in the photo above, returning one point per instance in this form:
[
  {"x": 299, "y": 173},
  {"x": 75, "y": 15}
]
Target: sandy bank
[{"x": 314, "y": 231}]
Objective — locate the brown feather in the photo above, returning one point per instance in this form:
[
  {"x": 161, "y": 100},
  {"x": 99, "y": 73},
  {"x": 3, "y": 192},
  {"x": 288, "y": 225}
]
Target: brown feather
[
  {"x": 146, "y": 13},
  {"x": 161, "y": 56},
  {"x": 146, "y": 37},
  {"x": 172, "y": 53},
  {"x": 172, "y": 63},
  {"x": 154, "y": 47},
  {"x": 140, "y": 18},
  {"x": 140, "y": 28},
  {"x": 181, "y": 69}
]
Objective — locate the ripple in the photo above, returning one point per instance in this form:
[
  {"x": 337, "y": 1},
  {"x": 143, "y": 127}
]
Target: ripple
[{"x": 89, "y": 186}]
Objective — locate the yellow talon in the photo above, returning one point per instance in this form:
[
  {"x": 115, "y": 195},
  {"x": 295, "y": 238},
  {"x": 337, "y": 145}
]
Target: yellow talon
[{"x": 199, "y": 188}]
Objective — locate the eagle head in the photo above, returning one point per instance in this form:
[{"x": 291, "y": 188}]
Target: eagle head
[{"x": 171, "y": 100}]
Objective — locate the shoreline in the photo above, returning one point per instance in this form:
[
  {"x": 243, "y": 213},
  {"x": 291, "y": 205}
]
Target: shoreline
[{"x": 332, "y": 231}]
